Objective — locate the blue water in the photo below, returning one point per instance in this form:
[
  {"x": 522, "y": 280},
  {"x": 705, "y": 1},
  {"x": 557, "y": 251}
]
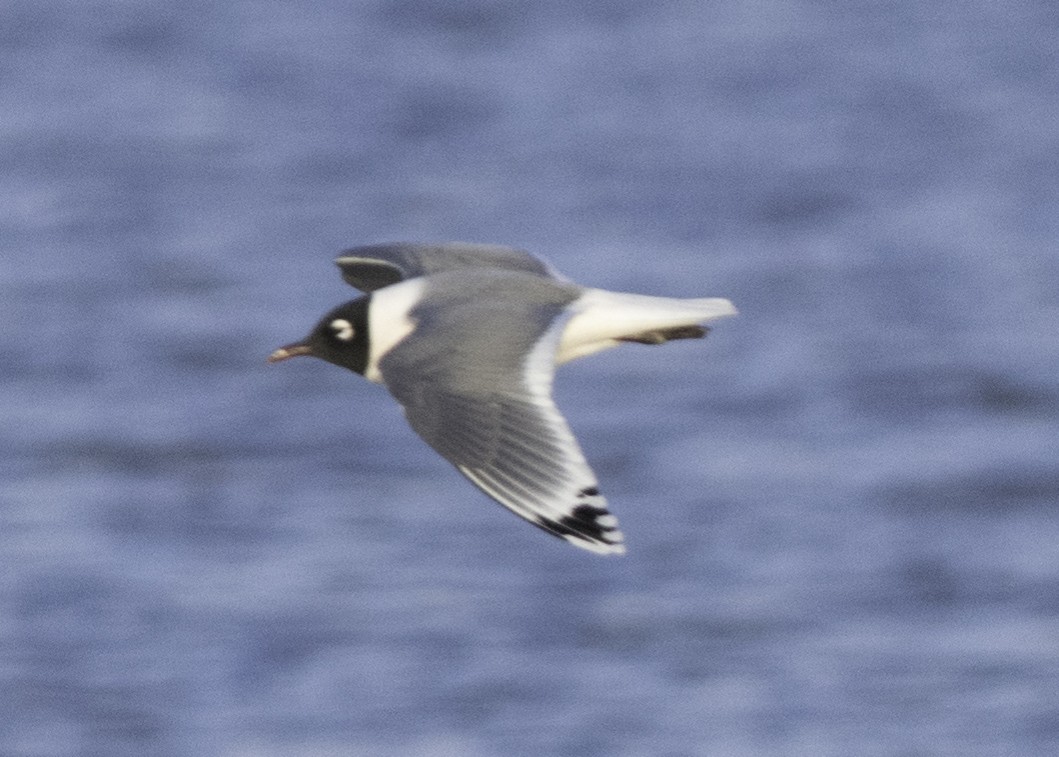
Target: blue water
[{"x": 842, "y": 508}]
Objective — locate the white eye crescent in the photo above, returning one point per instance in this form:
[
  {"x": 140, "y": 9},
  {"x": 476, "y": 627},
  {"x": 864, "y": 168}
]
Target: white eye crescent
[{"x": 343, "y": 329}]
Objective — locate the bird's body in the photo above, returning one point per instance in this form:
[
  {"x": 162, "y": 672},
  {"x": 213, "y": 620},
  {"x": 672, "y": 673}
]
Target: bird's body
[{"x": 466, "y": 338}]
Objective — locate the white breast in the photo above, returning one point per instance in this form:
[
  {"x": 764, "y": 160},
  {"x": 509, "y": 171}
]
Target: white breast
[{"x": 389, "y": 321}]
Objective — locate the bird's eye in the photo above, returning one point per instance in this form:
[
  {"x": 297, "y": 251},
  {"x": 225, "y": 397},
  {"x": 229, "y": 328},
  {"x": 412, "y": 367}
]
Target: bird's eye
[{"x": 343, "y": 329}]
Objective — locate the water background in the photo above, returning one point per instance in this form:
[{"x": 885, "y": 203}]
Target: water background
[{"x": 842, "y": 508}]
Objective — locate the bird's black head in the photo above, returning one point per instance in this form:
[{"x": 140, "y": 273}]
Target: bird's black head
[{"x": 341, "y": 337}]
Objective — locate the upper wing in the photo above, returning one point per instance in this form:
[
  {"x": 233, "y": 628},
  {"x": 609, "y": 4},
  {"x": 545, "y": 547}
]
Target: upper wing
[
  {"x": 375, "y": 266},
  {"x": 475, "y": 379}
]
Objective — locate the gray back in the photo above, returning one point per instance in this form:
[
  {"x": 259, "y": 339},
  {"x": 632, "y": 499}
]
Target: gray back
[{"x": 474, "y": 333}]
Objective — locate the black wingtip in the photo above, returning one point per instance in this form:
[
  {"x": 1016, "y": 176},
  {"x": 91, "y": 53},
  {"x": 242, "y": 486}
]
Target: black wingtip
[{"x": 587, "y": 526}]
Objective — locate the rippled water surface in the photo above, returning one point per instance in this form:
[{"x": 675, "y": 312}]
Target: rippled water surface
[{"x": 842, "y": 508}]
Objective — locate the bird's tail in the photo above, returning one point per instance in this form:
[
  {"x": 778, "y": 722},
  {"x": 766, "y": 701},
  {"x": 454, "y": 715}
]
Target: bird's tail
[{"x": 603, "y": 319}]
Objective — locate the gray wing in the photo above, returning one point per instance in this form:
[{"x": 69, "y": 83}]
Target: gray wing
[
  {"x": 375, "y": 266},
  {"x": 475, "y": 381}
]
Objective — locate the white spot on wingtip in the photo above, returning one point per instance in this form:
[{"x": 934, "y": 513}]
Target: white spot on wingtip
[{"x": 599, "y": 547}]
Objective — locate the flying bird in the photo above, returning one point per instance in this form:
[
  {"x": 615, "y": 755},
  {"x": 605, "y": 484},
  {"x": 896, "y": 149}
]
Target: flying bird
[{"x": 466, "y": 337}]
